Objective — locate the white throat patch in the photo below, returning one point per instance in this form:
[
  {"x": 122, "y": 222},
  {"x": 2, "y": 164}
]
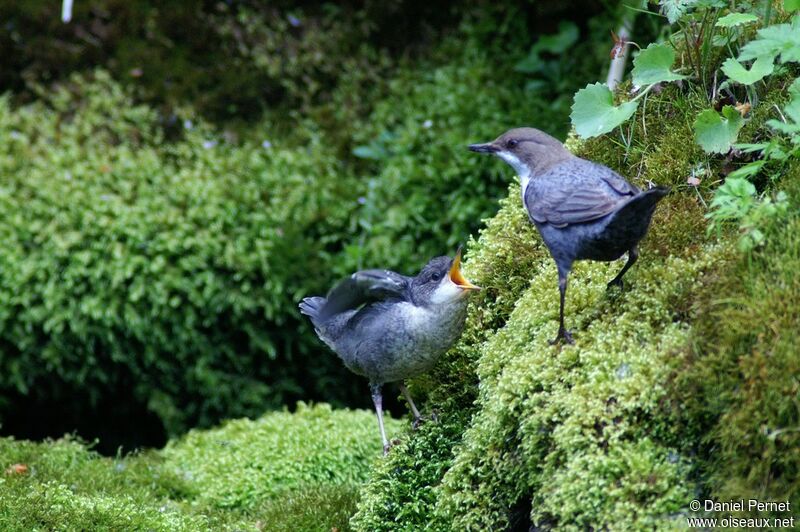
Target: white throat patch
[
  {"x": 521, "y": 168},
  {"x": 446, "y": 292}
]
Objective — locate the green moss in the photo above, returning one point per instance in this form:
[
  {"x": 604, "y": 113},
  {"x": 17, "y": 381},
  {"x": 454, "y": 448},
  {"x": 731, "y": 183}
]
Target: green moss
[
  {"x": 245, "y": 462},
  {"x": 283, "y": 471},
  {"x": 740, "y": 381},
  {"x": 597, "y": 434}
]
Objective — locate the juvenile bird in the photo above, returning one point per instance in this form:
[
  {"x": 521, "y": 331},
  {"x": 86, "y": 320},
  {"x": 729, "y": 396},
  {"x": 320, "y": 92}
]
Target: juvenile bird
[
  {"x": 389, "y": 327},
  {"x": 582, "y": 209}
]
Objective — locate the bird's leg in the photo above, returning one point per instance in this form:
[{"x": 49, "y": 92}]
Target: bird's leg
[
  {"x": 414, "y": 411},
  {"x": 377, "y": 398},
  {"x": 633, "y": 254},
  {"x": 563, "y": 333}
]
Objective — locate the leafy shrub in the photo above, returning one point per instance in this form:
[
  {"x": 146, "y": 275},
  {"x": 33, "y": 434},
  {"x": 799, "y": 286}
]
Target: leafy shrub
[{"x": 171, "y": 269}]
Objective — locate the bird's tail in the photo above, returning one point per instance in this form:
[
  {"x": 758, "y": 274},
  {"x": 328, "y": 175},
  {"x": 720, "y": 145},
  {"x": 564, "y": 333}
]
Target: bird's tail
[
  {"x": 636, "y": 214},
  {"x": 311, "y": 306}
]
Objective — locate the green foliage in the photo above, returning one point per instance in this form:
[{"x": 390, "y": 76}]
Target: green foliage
[
  {"x": 281, "y": 472},
  {"x": 277, "y": 453},
  {"x": 778, "y": 41},
  {"x": 791, "y": 126},
  {"x": 594, "y": 112},
  {"x": 736, "y": 201},
  {"x": 739, "y": 384},
  {"x": 169, "y": 265},
  {"x": 675, "y": 9},
  {"x": 732, "y": 20},
  {"x": 778, "y": 151},
  {"x": 653, "y": 65},
  {"x": 716, "y": 133},
  {"x": 761, "y": 67}
]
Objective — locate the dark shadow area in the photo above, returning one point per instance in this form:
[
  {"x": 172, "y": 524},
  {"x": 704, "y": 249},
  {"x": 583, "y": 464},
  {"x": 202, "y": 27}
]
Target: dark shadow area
[{"x": 116, "y": 422}]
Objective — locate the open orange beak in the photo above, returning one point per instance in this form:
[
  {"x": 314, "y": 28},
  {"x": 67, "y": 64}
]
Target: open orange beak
[{"x": 457, "y": 277}]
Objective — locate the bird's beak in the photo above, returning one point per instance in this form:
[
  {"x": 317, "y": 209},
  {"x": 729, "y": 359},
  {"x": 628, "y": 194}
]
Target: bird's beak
[
  {"x": 457, "y": 277},
  {"x": 487, "y": 147}
]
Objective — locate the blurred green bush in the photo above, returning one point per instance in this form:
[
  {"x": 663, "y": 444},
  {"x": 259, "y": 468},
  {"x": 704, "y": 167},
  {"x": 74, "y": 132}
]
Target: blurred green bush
[
  {"x": 152, "y": 257},
  {"x": 176, "y": 266}
]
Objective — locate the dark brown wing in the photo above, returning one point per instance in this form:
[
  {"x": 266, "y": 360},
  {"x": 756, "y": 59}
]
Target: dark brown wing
[{"x": 576, "y": 191}]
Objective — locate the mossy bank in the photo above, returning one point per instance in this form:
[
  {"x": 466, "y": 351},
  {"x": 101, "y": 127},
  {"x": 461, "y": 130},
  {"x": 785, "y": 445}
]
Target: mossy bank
[
  {"x": 682, "y": 386},
  {"x": 283, "y": 471}
]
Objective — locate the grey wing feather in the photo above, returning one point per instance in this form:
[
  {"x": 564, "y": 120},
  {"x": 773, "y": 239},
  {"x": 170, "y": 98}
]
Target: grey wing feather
[
  {"x": 366, "y": 286},
  {"x": 577, "y": 192}
]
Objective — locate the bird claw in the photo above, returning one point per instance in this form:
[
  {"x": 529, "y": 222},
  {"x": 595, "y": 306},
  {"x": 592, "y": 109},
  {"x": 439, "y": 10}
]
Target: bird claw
[
  {"x": 563, "y": 334},
  {"x": 615, "y": 282},
  {"x": 417, "y": 423},
  {"x": 389, "y": 444}
]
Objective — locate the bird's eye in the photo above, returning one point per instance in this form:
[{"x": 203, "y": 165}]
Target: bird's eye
[
  {"x": 511, "y": 143},
  {"x": 438, "y": 276}
]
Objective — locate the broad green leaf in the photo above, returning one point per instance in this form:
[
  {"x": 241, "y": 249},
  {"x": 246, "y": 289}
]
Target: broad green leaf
[
  {"x": 715, "y": 133},
  {"x": 653, "y": 65},
  {"x": 791, "y": 5},
  {"x": 594, "y": 112},
  {"x": 736, "y": 19},
  {"x": 779, "y": 39},
  {"x": 761, "y": 67}
]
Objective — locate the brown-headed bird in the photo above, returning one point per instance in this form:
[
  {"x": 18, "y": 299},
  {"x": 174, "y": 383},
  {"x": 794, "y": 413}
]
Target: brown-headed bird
[{"x": 582, "y": 209}]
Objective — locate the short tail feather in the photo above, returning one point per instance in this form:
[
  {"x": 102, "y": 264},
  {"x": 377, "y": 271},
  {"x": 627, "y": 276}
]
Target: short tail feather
[
  {"x": 311, "y": 306},
  {"x": 640, "y": 208}
]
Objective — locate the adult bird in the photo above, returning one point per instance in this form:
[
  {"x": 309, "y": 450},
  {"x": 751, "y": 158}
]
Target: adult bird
[
  {"x": 389, "y": 327},
  {"x": 582, "y": 209}
]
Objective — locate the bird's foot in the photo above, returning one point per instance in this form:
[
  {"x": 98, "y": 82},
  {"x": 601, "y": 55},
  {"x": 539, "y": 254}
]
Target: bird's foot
[
  {"x": 417, "y": 423},
  {"x": 388, "y": 445},
  {"x": 615, "y": 283},
  {"x": 563, "y": 334}
]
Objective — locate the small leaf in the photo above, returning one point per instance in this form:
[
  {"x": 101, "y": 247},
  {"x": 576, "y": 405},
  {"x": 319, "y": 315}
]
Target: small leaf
[
  {"x": 594, "y": 112},
  {"x": 675, "y": 9},
  {"x": 653, "y": 65},
  {"x": 736, "y": 19},
  {"x": 778, "y": 39},
  {"x": 715, "y": 133},
  {"x": 762, "y": 67}
]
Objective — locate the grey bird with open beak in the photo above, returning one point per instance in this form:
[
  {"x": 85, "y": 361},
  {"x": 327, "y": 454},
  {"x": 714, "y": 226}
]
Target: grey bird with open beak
[
  {"x": 389, "y": 327},
  {"x": 582, "y": 209}
]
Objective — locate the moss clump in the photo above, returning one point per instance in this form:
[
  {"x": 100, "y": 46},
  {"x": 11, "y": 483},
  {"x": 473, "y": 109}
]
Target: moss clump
[
  {"x": 594, "y": 435},
  {"x": 403, "y": 485},
  {"x": 245, "y": 462},
  {"x": 740, "y": 380},
  {"x": 283, "y": 471}
]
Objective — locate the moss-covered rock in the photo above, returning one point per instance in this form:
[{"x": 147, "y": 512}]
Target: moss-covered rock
[{"x": 611, "y": 430}]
